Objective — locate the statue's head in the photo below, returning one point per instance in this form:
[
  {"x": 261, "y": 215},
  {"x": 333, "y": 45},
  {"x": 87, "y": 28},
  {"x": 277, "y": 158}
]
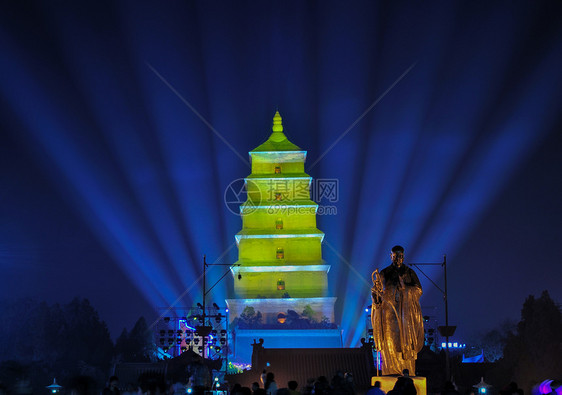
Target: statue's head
[{"x": 397, "y": 255}]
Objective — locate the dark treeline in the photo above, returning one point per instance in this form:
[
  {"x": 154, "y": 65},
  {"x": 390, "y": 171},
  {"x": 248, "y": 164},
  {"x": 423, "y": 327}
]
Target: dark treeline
[
  {"x": 528, "y": 352},
  {"x": 39, "y": 341},
  {"x": 533, "y": 351}
]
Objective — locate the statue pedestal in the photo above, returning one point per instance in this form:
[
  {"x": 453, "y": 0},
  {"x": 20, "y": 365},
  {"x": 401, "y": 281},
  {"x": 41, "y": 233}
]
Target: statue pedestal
[{"x": 387, "y": 383}]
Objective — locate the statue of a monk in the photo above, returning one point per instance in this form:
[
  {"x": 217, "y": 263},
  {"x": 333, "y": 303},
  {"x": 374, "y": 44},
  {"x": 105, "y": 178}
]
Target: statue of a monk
[{"x": 396, "y": 315}]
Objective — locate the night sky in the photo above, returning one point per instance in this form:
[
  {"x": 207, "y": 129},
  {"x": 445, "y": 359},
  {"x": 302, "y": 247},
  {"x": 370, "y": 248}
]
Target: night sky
[{"x": 122, "y": 124}]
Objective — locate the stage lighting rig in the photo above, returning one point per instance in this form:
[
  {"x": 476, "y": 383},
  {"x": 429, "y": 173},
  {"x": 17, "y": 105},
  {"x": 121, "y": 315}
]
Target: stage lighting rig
[{"x": 204, "y": 328}]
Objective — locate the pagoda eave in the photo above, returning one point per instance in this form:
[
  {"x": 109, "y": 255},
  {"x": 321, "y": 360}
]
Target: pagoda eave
[
  {"x": 239, "y": 237},
  {"x": 286, "y": 268},
  {"x": 279, "y": 155},
  {"x": 276, "y": 177}
]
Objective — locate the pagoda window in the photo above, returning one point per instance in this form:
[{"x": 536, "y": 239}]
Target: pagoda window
[
  {"x": 278, "y": 196},
  {"x": 279, "y": 223},
  {"x": 280, "y": 285},
  {"x": 280, "y": 253},
  {"x": 277, "y": 169}
]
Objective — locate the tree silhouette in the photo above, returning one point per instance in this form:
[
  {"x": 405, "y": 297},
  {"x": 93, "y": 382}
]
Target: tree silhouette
[
  {"x": 137, "y": 345},
  {"x": 533, "y": 353},
  {"x": 492, "y": 342},
  {"x": 55, "y": 340}
]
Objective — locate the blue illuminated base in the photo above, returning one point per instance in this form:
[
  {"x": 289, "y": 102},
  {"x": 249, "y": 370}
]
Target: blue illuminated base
[{"x": 283, "y": 338}]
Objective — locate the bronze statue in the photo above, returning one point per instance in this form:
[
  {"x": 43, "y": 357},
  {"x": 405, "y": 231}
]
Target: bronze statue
[{"x": 396, "y": 315}]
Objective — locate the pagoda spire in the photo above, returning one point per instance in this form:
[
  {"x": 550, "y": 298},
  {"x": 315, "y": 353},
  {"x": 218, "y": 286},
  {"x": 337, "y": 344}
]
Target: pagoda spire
[{"x": 277, "y": 128}]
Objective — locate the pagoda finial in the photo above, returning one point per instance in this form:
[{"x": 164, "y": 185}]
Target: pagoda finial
[
  {"x": 277, "y": 128},
  {"x": 277, "y": 124}
]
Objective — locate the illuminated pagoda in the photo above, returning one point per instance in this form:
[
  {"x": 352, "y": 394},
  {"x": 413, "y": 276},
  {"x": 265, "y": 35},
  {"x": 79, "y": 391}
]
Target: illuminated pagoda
[{"x": 280, "y": 278}]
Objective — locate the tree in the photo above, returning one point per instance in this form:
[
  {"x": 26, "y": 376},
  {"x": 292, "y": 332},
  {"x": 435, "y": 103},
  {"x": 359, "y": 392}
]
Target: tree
[
  {"x": 534, "y": 352},
  {"x": 137, "y": 345},
  {"x": 122, "y": 345},
  {"x": 492, "y": 342},
  {"x": 85, "y": 337},
  {"x": 249, "y": 317},
  {"x": 309, "y": 313},
  {"x": 54, "y": 340}
]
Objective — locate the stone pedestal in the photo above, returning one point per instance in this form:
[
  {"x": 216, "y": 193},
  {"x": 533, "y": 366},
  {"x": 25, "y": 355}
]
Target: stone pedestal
[{"x": 387, "y": 383}]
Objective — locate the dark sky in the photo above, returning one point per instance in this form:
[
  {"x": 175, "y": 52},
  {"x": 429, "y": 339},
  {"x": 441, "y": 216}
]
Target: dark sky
[{"x": 122, "y": 124}]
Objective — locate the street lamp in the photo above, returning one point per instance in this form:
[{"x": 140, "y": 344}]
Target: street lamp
[
  {"x": 445, "y": 331},
  {"x": 482, "y": 387},
  {"x": 54, "y": 388}
]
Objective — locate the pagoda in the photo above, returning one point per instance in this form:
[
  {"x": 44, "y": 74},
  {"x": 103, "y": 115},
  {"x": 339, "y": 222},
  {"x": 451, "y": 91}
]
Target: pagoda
[{"x": 280, "y": 278}]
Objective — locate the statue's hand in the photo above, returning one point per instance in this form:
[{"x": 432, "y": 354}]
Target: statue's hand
[{"x": 376, "y": 295}]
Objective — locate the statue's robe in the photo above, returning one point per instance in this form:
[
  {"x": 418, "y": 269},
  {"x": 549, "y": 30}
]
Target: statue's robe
[{"x": 397, "y": 320}]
